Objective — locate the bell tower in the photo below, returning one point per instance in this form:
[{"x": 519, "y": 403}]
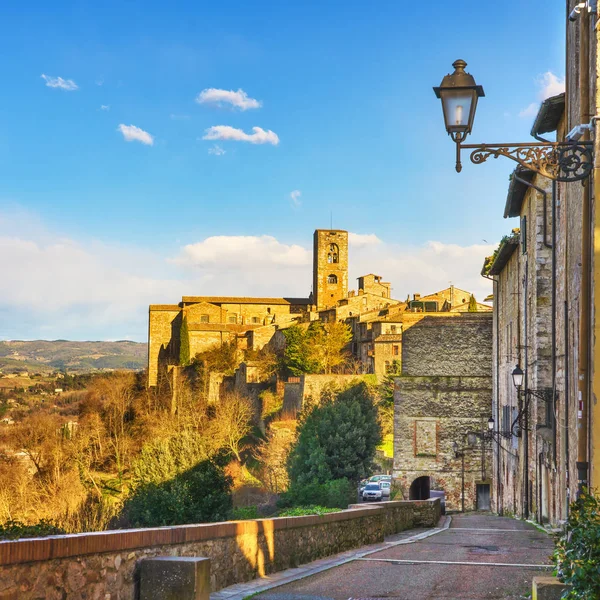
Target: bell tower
[{"x": 330, "y": 267}]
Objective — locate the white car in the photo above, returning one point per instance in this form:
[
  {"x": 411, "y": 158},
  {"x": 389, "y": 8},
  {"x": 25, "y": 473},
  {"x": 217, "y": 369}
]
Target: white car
[
  {"x": 372, "y": 491},
  {"x": 386, "y": 488}
]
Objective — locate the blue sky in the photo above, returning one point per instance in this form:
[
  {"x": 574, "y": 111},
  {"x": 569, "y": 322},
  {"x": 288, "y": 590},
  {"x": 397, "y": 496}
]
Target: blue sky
[{"x": 110, "y": 225}]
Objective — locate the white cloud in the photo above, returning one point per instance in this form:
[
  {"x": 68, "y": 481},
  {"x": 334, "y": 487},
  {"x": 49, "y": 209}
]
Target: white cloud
[
  {"x": 132, "y": 133},
  {"x": 55, "y": 286},
  {"x": 242, "y": 251},
  {"x": 216, "y": 150},
  {"x": 58, "y": 82},
  {"x": 225, "y": 132},
  {"x": 530, "y": 111},
  {"x": 295, "y": 198},
  {"x": 105, "y": 107},
  {"x": 362, "y": 239},
  {"x": 548, "y": 84},
  {"x": 237, "y": 99}
]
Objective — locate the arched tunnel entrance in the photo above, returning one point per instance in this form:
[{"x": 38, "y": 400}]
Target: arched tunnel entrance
[{"x": 419, "y": 488}]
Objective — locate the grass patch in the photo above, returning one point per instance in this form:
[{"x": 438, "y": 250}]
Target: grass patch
[{"x": 302, "y": 511}]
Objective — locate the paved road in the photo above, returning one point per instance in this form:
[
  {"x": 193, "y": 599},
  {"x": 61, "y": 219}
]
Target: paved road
[{"x": 479, "y": 556}]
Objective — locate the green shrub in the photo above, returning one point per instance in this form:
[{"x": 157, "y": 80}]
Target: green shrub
[
  {"x": 577, "y": 553},
  {"x": 333, "y": 494},
  {"x": 337, "y": 439},
  {"x": 245, "y": 513},
  {"x": 13, "y": 530},
  {"x": 201, "y": 494},
  {"x": 301, "y": 511}
]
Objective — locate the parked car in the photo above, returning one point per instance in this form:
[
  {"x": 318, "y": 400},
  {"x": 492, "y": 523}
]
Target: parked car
[
  {"x": 386, "y": 488},
  {"x": 442, "y": 496},
  {"x": 362, "y": 486},
  {"x": 372, "y": 491},
  {"x": 378, "y": 478}
]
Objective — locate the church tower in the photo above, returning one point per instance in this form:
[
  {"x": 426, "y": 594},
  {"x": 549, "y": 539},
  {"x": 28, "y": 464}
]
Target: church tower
[{"x": 330, "y": 267}]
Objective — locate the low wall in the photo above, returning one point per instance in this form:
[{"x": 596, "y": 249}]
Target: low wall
[{"x": 104, "y": 565}]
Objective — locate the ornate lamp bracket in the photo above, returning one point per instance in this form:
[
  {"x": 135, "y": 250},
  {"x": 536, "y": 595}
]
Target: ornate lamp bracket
[{"x": 560, "y": 161}]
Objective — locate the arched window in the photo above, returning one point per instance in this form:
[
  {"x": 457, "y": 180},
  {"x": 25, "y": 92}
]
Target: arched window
[
  {"x": 332, "y": 279},
  {"x": 334, "y": 254}
]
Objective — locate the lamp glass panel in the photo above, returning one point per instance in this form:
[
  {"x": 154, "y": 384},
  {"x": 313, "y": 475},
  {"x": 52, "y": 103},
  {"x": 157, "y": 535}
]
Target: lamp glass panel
[
  {"x": 518, "y": 378},
  {"x": 458, "y": 105}
]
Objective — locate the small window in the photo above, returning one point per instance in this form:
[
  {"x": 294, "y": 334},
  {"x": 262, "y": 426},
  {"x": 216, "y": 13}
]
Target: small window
[
  {"x": 204, "y": 319},
  {"x": 392, "y": 329},
  {"x": 255, "y": 320},
  {"x": 232, "y": 319},
  {"x": 334, "y": 253},
  {"x": 395, "y": 350},
  {"x": 387, "y": 366},
  {"x": 332, "y": 279}
]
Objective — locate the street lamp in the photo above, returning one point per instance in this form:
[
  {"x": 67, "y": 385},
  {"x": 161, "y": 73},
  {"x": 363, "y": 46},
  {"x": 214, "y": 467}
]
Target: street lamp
[
  {"x": 559, "y": 161},
  {"x": 459, "y": 93},
  {"x": 517, "y": 377}
]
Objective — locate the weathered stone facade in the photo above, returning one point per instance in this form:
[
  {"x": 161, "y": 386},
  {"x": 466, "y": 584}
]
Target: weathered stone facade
[
  {"x": 376, "y": 319},
  {"x": 104, "y": 565},
  {"x": 442, "y": 402}
]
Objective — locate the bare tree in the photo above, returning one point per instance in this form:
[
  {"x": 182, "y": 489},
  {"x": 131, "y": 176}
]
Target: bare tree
[{"x": 233, "y": 422}]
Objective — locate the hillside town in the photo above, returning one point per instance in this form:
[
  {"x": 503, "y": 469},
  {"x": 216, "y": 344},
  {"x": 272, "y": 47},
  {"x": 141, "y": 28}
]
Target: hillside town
[{"x": 400, "y": 408}]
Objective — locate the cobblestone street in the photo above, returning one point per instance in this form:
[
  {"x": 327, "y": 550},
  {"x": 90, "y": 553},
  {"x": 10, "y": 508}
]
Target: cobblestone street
[{"x": 477, "y": 557}]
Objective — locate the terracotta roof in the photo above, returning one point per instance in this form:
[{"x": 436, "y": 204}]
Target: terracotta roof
[
  {"x": 165, "y": 307},
  {"x": 243, "y": 300}
]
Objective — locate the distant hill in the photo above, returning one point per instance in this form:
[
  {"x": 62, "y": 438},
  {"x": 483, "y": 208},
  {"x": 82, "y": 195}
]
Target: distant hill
[{"x": 45, "y": 356}]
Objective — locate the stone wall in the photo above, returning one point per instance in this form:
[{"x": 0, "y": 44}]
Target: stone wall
[
  {"x": 105, "y": 565},
  {"x": 310, "y": 388},
  {"x": 449, "y": 346},
  {"x": 164, "y": 322},
  {"x": 444, "y": 397}
]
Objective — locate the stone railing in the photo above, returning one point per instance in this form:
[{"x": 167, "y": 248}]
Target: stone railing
[{"x": 106, "y": 564}]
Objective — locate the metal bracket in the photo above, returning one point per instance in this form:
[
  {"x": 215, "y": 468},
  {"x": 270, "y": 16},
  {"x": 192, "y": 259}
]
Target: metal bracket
[{"x": 559, "y": 161}]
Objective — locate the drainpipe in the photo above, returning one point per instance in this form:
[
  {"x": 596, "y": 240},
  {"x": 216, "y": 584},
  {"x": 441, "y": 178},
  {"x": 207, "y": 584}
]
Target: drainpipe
[
  {"x": 585, "y": 295},
  {"x": 496, "y": 288},
  {"x": 594, "y": 410}
]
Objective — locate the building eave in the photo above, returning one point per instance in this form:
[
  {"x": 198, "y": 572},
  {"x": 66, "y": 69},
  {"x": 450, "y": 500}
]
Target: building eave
[
  {"x": 549, "y": 115},
  {"x": 517, "y": 190}
]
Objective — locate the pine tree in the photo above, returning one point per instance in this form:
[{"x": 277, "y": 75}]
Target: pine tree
[
  {"x": 184, "y": 344},
  {"x": 472, "y": 304},
  {"x": 337, "y": 439}
]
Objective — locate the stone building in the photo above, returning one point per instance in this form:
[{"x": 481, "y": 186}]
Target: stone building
[
  {"x": 442, "y": 403},
  {"x": 546, "y": 307},
  {"x": 522, "y": 269},
  {"x": 377, "y": 320}
]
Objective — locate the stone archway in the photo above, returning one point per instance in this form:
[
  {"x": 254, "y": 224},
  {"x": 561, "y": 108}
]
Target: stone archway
[{"x": 419, "y": 488}]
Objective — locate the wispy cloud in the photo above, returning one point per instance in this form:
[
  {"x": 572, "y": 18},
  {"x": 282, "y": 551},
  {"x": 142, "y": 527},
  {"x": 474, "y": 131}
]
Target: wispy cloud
[
  {"x": 58, "y": 82},
  {"x": 131, "y": 133},
  {"x": 225, "y": 132},
  {"x": 295, "y": 199},
  {"x": 216, "y": 150},
  {"x": 105, "y": 107},
  {"x": 359, "y": 240},
  {"x": 99, "y": 82},
  {"x": 548, "y": 84},
  {"x": 219, "y": 97}
]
